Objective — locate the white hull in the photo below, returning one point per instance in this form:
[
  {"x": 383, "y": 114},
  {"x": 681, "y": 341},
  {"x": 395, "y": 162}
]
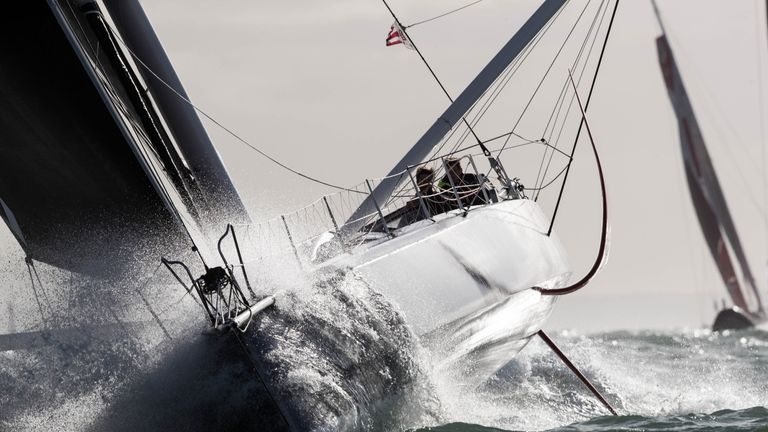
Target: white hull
[
  {"x": 440, "y": 272},
  {"x": 464, "y": 282}
]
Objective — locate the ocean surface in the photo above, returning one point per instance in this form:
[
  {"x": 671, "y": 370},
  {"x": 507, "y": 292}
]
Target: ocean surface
[
  {"x": 179, "y": 378},
  {"x": 684, "y": 380}
]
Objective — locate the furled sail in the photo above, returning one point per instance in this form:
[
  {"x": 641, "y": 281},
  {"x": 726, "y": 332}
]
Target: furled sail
[{"x": 706, "y": 193}]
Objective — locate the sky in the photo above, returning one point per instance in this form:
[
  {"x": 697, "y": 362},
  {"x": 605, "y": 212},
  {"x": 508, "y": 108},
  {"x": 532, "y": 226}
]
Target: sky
[{"x": 313, "y": 84}]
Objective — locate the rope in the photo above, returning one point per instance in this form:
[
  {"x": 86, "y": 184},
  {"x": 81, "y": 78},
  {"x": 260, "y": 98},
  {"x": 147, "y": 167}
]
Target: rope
[
  {"x": 509, "y": 74},
  {"x": 443, "y": 14},
  {"x": 502, "y": 83},
  {"x": 147, "y": 304},
  {"x": 34, "y": 291},
  {"x": 601, "y": 253},
  {"x": 578, "y": 82},
  {"x": 540, "y": 188},
  {"x": 42, "y": 287},
  {"x": 434, "y": 75},
  {"x": 583, "y": 119},
  {"x": 220, "y": 125},
  {"x": 549, "y": 68}
]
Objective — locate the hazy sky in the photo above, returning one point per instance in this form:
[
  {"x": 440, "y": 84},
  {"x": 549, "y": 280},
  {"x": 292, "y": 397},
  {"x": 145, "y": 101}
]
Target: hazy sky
[{"x": 313, "y": 84}]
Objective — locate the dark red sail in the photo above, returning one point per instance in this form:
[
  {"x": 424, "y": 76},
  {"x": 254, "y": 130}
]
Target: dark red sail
[{"x": 706, "y": 193}]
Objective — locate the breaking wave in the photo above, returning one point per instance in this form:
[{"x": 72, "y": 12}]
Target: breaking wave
[
  {"x": 677, "y": 380},
  {"x": 334, "y": 354},
  {"x": 331, "y": 354}
]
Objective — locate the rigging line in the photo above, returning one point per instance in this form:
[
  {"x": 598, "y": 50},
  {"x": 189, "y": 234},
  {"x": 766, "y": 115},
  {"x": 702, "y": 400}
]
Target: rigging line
[
  {"x": 511, "y": 71},
  {"x": 499, "y": 85},
  {"x": 40, "y": 284},
  {"x": 546, "y": 73},
  {"x": 549, "y": 183},
  {"x": 111, "y": 91},
  {"x": 583, "y": 120},
  {"x": 575, "y": 63},
  {"x": 37, "y": 298},
  {"x": 541, "y": 82},
  {"x": 544, "y": 77},
  {"x": 498, "y": 137},
  {"x": 149, "y": 121},
  {"x": 602, "y": 249},
  {"x": 431, "y": 71},
  {"x": 561, "y": 102},
  {"x": 224, "y": 128},
  {"x": 578, "y": 82},
  {"x": 515, "y": 66},
  {"x": 490, "y": 98},
  {"x": 556, "y": 109},
  {"x": 148, "y": 305},
  {"x": 559, "y": 106},
  {"x": 443, "y": 14},
  {"x": 568, "y": 110},
  {"x": 544, "y": 143}
]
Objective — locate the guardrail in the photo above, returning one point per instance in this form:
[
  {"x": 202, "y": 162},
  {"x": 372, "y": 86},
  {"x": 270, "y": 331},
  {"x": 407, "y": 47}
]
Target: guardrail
[{"x": 322, "y": 229}]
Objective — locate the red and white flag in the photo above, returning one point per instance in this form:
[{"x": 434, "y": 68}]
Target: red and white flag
[{"x": 397, "y": 36}]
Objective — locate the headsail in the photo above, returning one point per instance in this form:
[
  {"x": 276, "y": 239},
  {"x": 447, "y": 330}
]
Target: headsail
[
  {"x": 94, "y": 160},
  {"x": 706, "y": 193}
]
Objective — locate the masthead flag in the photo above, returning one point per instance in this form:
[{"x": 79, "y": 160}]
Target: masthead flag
[{"x": 397, "y": 36}]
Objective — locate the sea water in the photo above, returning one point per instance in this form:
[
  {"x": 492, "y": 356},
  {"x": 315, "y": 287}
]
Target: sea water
[
  {"x": 679, "y": 380},
  {"x": 187, "y": 379}
]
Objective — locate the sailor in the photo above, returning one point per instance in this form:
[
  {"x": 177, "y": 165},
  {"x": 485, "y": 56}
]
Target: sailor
[
  {"x": 431, "y": 199},
  {"x": 467, "y": 185},
  {"x": 425, "y": 178},
  {"x": 461, "y": 180}
]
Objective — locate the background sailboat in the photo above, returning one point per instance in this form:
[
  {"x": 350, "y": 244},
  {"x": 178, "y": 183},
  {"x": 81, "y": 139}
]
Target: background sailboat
[{"x": 709, "y": 201}]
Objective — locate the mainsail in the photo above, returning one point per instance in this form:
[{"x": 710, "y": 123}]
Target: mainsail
[{"x": 706, "y": 193}]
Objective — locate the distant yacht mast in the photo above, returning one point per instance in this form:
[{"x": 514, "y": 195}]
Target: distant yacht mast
[{"x": 707, "y": 195}]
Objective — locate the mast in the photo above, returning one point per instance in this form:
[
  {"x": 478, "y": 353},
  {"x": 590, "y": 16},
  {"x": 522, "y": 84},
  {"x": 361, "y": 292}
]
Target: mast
[
  {"x": 708, "y": 199},
  {"x": 462, "y": 104}
]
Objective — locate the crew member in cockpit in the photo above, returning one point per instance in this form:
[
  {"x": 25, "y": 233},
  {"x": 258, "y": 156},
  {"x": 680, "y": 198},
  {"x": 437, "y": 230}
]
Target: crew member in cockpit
[
  {"x": 431, "y": 199},
  {"x": 467, "y": 185}
]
